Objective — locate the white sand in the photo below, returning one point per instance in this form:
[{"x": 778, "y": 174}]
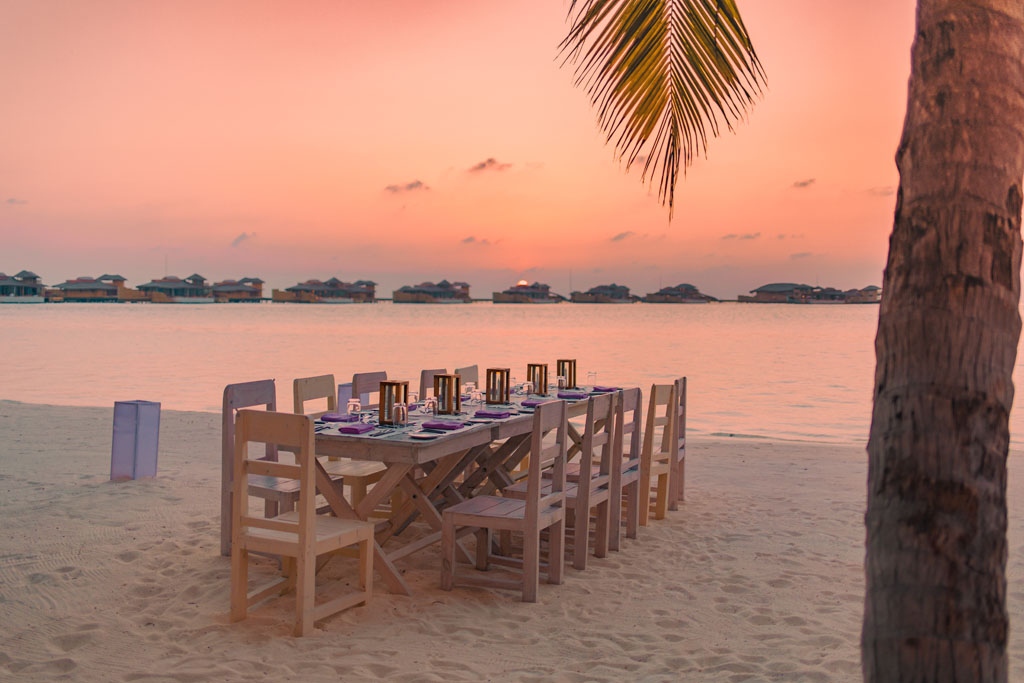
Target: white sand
[{"x": 757, "y": 577}]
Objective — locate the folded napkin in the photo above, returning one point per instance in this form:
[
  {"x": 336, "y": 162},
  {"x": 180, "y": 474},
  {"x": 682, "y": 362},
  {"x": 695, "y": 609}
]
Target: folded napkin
[
  {"x": 338, "y": 417},
  {"x": 606, "y": 389},
  {"x": 496, "y": 414},
  {"x": 571, "y": 394},
  {"x": 357, "y": 428},
  {"x": 438, "y": 424},
  {"x": 533, "y": 402},
  {"x": 463, "y": 397}
]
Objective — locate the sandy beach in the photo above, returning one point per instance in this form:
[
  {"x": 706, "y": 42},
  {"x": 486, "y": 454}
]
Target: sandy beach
[{"x": 758, "y": 576}]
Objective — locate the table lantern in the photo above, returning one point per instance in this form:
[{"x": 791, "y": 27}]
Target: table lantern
[
  {"x": 537, "y": 373},
  {"x": 498, "y": 385},
  {"x": 448, "y": 390},
  {"x": 567, "y": 369},
  {"x": 392, "y": 392}
]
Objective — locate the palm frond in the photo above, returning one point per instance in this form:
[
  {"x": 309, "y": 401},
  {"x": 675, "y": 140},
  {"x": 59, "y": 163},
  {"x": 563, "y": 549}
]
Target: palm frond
[{"x": 663, "y": 75}]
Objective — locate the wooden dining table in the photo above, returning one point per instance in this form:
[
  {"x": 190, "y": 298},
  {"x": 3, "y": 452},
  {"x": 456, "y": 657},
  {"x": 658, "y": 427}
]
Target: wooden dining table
[{"x": 476, "y": 459}]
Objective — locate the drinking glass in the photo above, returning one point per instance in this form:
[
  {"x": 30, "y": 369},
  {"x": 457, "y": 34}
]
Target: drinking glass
[
  {"x": 469, "y": 387},
  {"x": 354, "y": 406},
  {"x": 561, "y": 382},
  {"x": 414, "y": 399},
  {"x": 401, "y": 415},
  {"x": 430, "y": 405},
  {"x": 592, "y": 378},
  {"x": 476, "y": 397}
]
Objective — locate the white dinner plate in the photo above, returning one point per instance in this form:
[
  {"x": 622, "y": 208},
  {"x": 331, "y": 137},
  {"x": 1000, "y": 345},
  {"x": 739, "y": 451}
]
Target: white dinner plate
[{"x": 423, "y": 435}]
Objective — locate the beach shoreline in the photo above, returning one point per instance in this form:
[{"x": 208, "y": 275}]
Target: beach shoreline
[{"x": 758, "y": 576}]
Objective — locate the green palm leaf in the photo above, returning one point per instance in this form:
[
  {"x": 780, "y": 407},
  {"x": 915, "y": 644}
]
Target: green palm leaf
[{"x": 663, "y": 74}]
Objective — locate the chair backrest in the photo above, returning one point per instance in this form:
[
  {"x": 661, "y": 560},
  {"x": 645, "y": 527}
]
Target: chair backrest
[
  {"x": 550, "y": 418},
  {"x": 344, "y": 394},
  {"x": 628, "y": 416},
  {"x": 598, "y": 428},
  {"x": 470, "y": 373},
  {"x": 236, "y": 396},
  {"x": 279, "y": 429},
  {"x": 307, "y": 389},
  {"x": 366, "y": 383},
  {"x": 681, "y": 402},
  {"x": 427, "y": 381},
  {"x": 663, "y": 397}
]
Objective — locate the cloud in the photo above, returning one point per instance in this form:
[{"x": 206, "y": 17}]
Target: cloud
[
  {"x": 473, "y": 240},
  {"x": 16, "y": 202},
  {"x": 489, "y": 164},
  {"x": 750, "y": 236},
  {"x": 241, "y": 238},
  {"x": 804, "y": 183},
  {"x": 800, "y": 255},
  {"x": 745, "y": 236},
  {"x": 621, "y": 236},
  {"x": 783, "y": 236},
  {"x": 882, "y": 191},
  {"x": 407, "y": 187}
]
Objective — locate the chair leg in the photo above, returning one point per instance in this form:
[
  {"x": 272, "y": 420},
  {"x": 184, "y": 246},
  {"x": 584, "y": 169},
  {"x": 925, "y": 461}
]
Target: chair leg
[
  {"x": 682, "y": 479},
  {"x": 239, "y": 583},
  {"x": 580, "y": 538},
  {"x": 270, "y": 508},
  {"x": 632, "y": 509},
  {"x": 531, "y": 564},
  {"x": 615, "y": 518},
  {"x": 556, "y": 552},
  {"x": 304, "y": 591},
  {"x": 661, "y": 502},
  {"x": 643, "y": 499},
  {"x": 358, "y": 490},
  {"x": 447, "y": 552},
  {"x": 602, "y": 529},
  {"x": 366, "y": 569},
  {"x": 673, "y": 484},
  {"x": 505, "y": 542},
  {"x": 483, "y": 548}
]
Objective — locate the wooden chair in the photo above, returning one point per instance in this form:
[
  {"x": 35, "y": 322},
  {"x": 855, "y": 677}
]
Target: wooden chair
[
  {"x": 586, "y": 494},
  {"x": 539, "y": 510},
  {"x": 626, "y": 466},
  {"x": 470, "y": 373},
  {"x": 427, "y": 381},
  {"x": 356, "y": 474},
  {"x": 279, "y": 495},
  {"x": 660, "y": 455},
  {"x": 366, "y": 385},
  {"x": 301, "y": 535}
]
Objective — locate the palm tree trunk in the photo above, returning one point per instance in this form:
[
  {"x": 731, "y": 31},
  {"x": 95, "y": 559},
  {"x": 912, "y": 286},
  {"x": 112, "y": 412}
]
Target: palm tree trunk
[{"x": 947, "y": 342}]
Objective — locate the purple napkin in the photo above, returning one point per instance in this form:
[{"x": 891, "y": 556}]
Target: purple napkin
[
  {"x": 496, "y": 414},
  {"x": 438, "y": 424},
  {"x": 357, "y": 428},
  {"x": 338, "y": 417},
  {"x": 571, "y": 394},
  {"x": 533, "y": 402},
  {"x": 605, "y": 389}
]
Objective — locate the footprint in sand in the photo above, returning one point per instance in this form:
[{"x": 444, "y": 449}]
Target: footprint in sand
[
  {"x": 71, "y": 641},
  {"x": 128, "y": 556}
]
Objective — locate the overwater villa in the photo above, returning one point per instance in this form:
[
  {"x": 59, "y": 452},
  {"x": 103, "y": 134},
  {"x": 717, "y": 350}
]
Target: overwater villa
[
  {"x": 248, "y": 289},
  {"x": 604, "y": 294},
  {"x": 443, "y": 292},
  {"x": 174, "y": 290},
  {"x": 679, "y": 294},
  {"x": 525, "y": 293},
  {"x": 105, "y": 288},
  {"x": 790, "y": 293},
  {"x": 333, "y": 291},
  {"x": 23, "y": 288}
]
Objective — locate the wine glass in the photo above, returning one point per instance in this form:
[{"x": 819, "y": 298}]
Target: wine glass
[
  {"x": 354, "y": 406},
  {"x": 414, "y": 399}
]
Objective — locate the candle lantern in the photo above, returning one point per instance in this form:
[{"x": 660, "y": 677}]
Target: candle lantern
[
  {"x": 392, "y": 392},
  {"x": 567, "y": 369},
  {"x": 498, "y": 385},
  {"x": 448, "y": 391},
  {"x": 537, "y": 373}
]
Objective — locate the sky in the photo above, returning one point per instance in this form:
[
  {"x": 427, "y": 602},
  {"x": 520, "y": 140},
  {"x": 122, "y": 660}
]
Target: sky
[{"x": 402, "y": 141}]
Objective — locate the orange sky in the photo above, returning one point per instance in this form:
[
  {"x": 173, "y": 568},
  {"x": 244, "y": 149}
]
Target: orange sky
[{"x": 260, "y": 138}]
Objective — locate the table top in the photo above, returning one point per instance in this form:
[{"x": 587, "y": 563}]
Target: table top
[{"x": 396, "y": 444}]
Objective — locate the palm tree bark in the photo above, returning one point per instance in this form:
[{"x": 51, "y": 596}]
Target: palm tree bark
[{"x": 947, "y": 342}]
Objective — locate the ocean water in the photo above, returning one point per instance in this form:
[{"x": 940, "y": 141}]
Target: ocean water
[{"x": 765, "y": 371}]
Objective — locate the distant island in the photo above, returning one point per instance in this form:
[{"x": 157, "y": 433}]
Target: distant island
[
  {"x": 443, "y": 292},
  {"x": 525, "y": 293},
  {"x": 680, "y": 294}
]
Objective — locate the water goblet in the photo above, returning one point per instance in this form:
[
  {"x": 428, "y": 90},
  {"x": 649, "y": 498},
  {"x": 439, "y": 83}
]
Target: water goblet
[{"x": 354, "y": 406}]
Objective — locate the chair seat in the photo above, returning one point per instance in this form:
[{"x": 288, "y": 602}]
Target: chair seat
[
  {"x": 518, "y": 490},
  {"x": 572, "y": 471},
  {"x": 494, "y": 507},
  {"x": 352, "y": 468},
  {"x": 341, "y": 531}
]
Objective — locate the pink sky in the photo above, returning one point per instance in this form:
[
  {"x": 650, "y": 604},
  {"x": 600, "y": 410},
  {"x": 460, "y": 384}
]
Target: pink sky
[{"x": 258, "y": 138}]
